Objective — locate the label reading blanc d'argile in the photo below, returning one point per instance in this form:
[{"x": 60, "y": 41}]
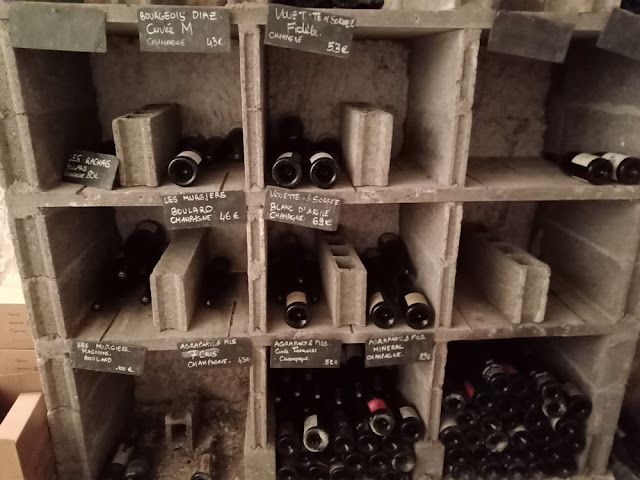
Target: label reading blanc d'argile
[
  {"x": 107, "y": 357},
  {"x": 305, "y": 209},
  {"x": 398, "y": 350},
  {"x": 305, "y": 354},
  {"x": 215, "y": 353},
  {"x": 309, "y": 30}
]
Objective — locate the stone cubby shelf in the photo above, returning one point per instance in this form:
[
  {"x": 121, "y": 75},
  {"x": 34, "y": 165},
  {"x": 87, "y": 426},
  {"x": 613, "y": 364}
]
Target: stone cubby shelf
[{"x": 469, "y": 130}]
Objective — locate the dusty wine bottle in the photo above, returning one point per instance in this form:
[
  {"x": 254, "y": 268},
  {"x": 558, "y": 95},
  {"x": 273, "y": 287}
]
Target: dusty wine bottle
[
  {"x": 145, "y": 298},
  {"x": 454, "y": 397},
  {"x": 292, "y": 281},
  {"x": 342, "y": 433},
  {"x": 481, "y": 400},
  {"x": 451, "y": 434},
  {"x": 467, "y": 419},
  {"x": 380, "y": 308},
  {"x": 183, "y": 169},
  {"x": 355, "y": 462},
  {"x": 496, "y": 442},
  {"x": 319, "y": 470},
  {"x": 379, "y": 463},
  {"x": 416, "y": 309},
  {"x": 337, "y": 470},
  {"x": 578, "y": 404},
  {"x": 216, "y": 280},
  {"x": 411, "y": 428},
  {"x": 402, "y": 457},
  {"x": 287, "y": 469},
  {"x": 585, "y": 166},
  {"x": 366, "y": 442},
  {"x": 315, "y": 436},
  {"x": 287, "y": 441},
  {"x": 496, "y": 377},
  {"x": 519, "y": 440},
  {"x": 381, "y": 419},
  {"x": 324, "y": 166}
]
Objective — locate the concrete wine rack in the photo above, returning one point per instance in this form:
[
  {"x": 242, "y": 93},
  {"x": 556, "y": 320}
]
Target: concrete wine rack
[{"x": 468, "y": 129}]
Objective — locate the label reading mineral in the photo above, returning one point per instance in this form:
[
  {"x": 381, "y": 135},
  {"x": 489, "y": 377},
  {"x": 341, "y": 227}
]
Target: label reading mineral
[
  {"x": 305, "y": 353},
  {"x": 198, "y": 210},
  {"x": 215, "y": 353},
  {"x": 398, "y": 350},
  {"x": 305, "y": 209},
  {"x": 107, "y": 357},
  {"x": 91, "y": 169},
  {"x": 309, "y": 30},
  {"x": 184, "y": 29}
]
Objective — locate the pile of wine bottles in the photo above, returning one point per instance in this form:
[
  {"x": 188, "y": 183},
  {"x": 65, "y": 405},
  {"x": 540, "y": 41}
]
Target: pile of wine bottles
[
  {"x": 600, "y": 168},
  {"x": 294, "y": 278},
  {"x": 503, "y": 416},
  {"x": 295, "y": 157},
  {"x": 345, "y": 425},
  {"x": 198, "y": 153},
  {"x": 132, "y": 264},
  {"x": 391, "y": 290},
  {"x": 372, "y": 4}
]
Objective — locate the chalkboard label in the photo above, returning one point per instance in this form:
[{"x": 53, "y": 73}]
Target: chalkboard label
[
  {"x": 305, "y": 353},
  {"x": 621, "y": 34},
  {"x": 309, "y": 30},
  {"x": 398, "y": 350},
  {"x": 215, "y": 353},
  {"x": 107, "y": 357},
  {"x": 57, "y": 27},
  {"x": 91, "y": 169},
  {"x": 530, "y": 36},
  {"x": 305, "y": 209},
  {"x": 198, "y": 210},
  {"x": 184, "y": 29}
]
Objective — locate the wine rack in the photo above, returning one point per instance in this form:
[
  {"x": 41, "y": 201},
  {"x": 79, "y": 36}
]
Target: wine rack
[{"x": 469, "y": 129}]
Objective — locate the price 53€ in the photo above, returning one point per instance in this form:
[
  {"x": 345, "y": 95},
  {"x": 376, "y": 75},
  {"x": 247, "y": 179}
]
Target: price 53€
[{"x": 337, "y": 47}]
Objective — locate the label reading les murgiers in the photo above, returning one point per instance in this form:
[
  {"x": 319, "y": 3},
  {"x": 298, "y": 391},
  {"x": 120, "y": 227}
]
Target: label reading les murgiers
[
  {"x": 305, "y": 353},
  {"x": 107, "y": 357},
  {"x": 199, "y": 210},
  {"x": 398, "y": 350},
  {"x": 215, "y": 353},
  {"x": 184, "y": 29},
  {"x": 309, "y": 30},
  {"x": 305, "y": 209}
]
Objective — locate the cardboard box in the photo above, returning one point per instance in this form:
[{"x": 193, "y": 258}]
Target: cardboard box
[
  {"x": 25, "y": 445},
  {"x": 18, "y": 361},
  {"x": 15, "y": 331}
]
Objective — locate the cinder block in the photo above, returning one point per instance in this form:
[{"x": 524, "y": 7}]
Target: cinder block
[
  {"x": 344, "y": 279},
  {"x": 414, "y": 382},
  {"x": 429, "y": 459},
  {"x": 68, "y": 444},
  {"x": 260, "y": 463},
  {"x": 146, "y": 141},
  {"x": 257, "y": 431},
  {"x": 565, "y": 6},
  {"x": 181, "y": 423},
  {"x": 257, "y": 269},
  {"x": 176, "y": 280},
  {"x": 366, "y": 134},
  {"x": 599, "y": 454},
  {"x": 606, "y": 410}
]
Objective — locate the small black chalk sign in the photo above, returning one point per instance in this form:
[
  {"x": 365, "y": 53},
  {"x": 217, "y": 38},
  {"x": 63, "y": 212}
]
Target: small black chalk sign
[
  {"x": 305, "y": 353},
  {"x": 398, "y": 350},
  {"x": 198, "y": 210},
  {"x": 57, "y": 27},
  {"x": 91, "y": 169},
  {"x": 107, "y": 357},
  {"x": 184, "y": 29},
  {"x": 313, "y": 31},
  {"x": 621, "y": 34},
  {"x": 530, "y": 36},
  {"x": 311, "y": 210},
  {"x": 215, "y": 353}
]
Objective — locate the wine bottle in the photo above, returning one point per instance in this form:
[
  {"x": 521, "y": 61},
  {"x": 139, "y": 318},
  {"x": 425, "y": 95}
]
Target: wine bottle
[
  {"x": 585, "y": 166},
  {"x": 315, "y": 436},
  {"x": 216, "y": 280},
  {"x": 402, "y": 457},
  {"x": 415, "y": 308},
  {"x": 234, "y": 146},
  {"x": 111, "y": 285},
  {"x": 491, "y": 468},
  {"x": 319, "y": 470},
  {"x": 141, "y": 464},
  {"x": 337, "y": 471},
  {"x": 287, "y": 438},
  {"x": 451, "y": 434},
  {"x": 519, "y": 440},
  {"x": 567, "y": 426},
  {"x": 474, "y": 440},
  {"x": 367, "y": 443},
  {"x": 116, "y": 469},
  {"x": 184, "y": 168},
  {"x": 145, "y": 298},
  {"x": 467, "y": 419},
  {"x": 355, "y": 462},
  {"x": 381, "y": 418},
  {"x": 516, "y": 469},
  {"x": 489, "y": 424},
  {"x": 287, "y": 169},
  {"x": 203, "y": 468},
  {"x": 324, "y": 166},
  {"x": 380, "y": 309},
  {"x": 496, "y": 442},
  {"x": 496, "y": 377},
  {"x": 287, "y": 469},
  {"x": 342, "y": 433},
  {"x": 626, "y": 169},
  {"x": 379, "y": 463},
  {"x": 507, "y": 408},
  {"x": 547, "y": 386},
  {"x": 411, "y": 427},
  {"x": 578, "y": 404},
  {"x": 395, "y": 253},
  {"x": 481, "y": 400}
]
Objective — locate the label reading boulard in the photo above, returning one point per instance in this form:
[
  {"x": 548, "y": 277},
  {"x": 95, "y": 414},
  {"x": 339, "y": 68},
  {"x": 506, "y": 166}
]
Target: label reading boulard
[
  {"x": 184, "y": 29},
  {"x": 305, "y": 353},
  {"x": 198, "y": 210},
  {"x": 107, "y": 357},
  {"x": 215, "y": 353},
  {"x": 398, "y": 350},
  {"x": 309, "y": 30},
  {"x": 305, "y": 209},
  {"x": 91, "y": 169}
]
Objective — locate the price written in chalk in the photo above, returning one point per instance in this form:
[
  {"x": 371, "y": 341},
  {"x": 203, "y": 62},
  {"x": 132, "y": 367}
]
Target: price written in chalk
[
  {"x": 309, "y": 30},
  {"x": 306, "y": 209},
  {"x": 184, "y": 29},
  {"x": 305, "y": 353},
  {"x": 91, "y": 169},
  {"x": 199, "y": 210},
  {"x": 107, "y": 357},
  {"x": 215, "y": 353},
  {"x": 398, "y": 350}
]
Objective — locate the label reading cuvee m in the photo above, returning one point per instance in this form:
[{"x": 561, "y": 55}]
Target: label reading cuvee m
[
  {"x": 91, "y": 169},
  {"x": 198, "y": 210},
  {"x": 398, "y": 350},
  {"x": 305, "y": 354},
  {"x": 184, "y": 29},
  {"x": 215, "y": 353},
  {"x": 107, "y": 357},
  {"x": 309, "y": 30},
  {"x": 305, "y": 209}
]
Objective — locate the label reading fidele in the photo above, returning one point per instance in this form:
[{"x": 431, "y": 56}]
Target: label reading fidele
[
  {"x": 198, "y": 210},
  {"x": 107, "y": 357},
  {"x": 309, "y": 30},
  {"x": 305, "y": 354},
  {"x": 305, "y": 209},
  {"x": 215, "y": 353},
  {"x": 398, "y": 350},
  {"x": 184, "y": 29}
]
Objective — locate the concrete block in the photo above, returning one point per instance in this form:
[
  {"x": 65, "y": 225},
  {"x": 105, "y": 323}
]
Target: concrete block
[
  {"x": 257, "y": 424},
  {"x": 176, "y": 280},
  {"x": 68, "y": 444},
  {"x": 146, "y": 141},
  {"x": 606, "y": 410},
  {"x": 429, "y": 459},
  {"x": 366, "y": 134},
  {"x": 181, "y": 423},
  {"x": 260, "y": 463},
  {"x": 257, "y": 269},
  {"x": 564, "y": 6},
  {"x": 344, "y": 279},
  {"x": 599, "y": 454}
]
